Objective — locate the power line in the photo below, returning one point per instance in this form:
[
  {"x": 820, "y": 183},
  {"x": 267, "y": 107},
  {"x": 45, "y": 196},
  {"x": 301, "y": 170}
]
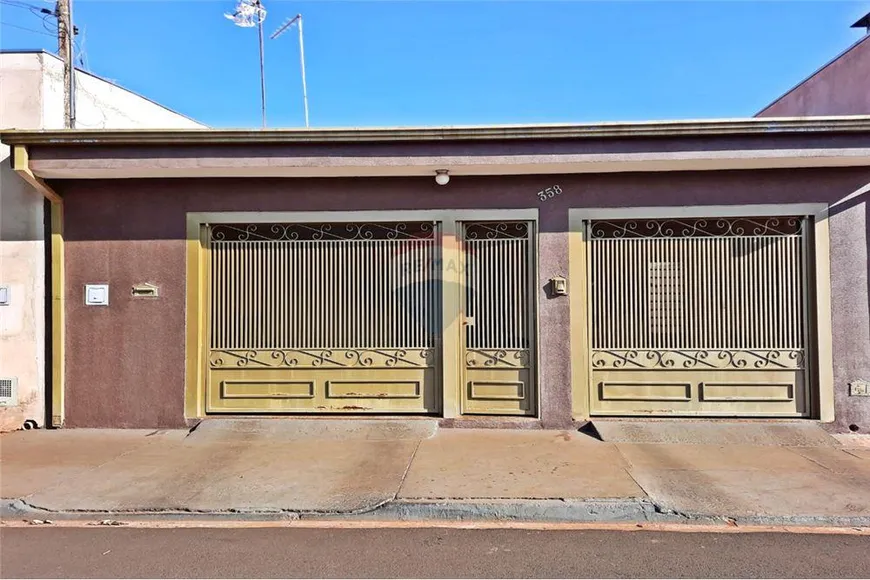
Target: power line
[
  {"x": 33, "y": 30},
  {"x": 16, "y": 4}
]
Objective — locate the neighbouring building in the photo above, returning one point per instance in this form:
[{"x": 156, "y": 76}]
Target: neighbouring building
[
  {"x": 31, "y": 97},
  {"x": 528, "y": 276},
  {"x": 840, "y": 87}
]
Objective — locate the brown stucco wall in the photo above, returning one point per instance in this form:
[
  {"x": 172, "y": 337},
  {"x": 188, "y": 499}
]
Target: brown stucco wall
[
  {"x": 125, "y": 362},
  {"x": 840, "y": 88}
]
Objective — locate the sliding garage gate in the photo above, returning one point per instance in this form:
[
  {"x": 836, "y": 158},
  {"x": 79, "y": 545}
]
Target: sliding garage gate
[
  {"x": 349, "y": 318},
  {"x": 331, "y": 318},
  {"x": 698, "y": 316}
]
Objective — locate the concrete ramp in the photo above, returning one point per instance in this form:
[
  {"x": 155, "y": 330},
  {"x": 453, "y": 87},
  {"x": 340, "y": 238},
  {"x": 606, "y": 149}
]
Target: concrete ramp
[
  {"x": 714, "y": 432},
  {"x": 332, "y": 428}
]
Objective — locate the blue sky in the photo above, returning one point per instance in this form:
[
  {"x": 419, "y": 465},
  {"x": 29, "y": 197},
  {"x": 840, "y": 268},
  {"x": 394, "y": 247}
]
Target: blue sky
[{"x": 449, "y": 62}]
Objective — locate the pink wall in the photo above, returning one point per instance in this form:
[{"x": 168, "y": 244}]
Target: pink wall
[
  {"x": 840, "y": 88},
  {"x": 125, "y": 363}
]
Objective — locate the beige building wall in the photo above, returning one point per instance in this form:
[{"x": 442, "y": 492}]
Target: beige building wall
[{"x": 31, "y": 97}]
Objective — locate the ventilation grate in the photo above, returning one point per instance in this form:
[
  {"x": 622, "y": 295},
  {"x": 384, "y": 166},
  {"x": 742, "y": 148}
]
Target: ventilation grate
[{"x": 8, "y": 392}]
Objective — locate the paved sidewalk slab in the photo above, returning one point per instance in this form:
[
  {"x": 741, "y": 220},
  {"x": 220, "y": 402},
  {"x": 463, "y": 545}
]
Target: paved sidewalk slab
[
  {"x": 862, "y": 453},
  {"x": 496, "y": 464},
  {"x": 852, "y": 440},
  {"x": 750, "y": 481},
  {"x": 844, "y": 461},
  {"x": 300, "y": 476},
  {"x": 38, "y": 459},
  {"x": 268, "y": 469},
  {"x": 321, "y": 428},
  {"x": 715, "y": 432}
]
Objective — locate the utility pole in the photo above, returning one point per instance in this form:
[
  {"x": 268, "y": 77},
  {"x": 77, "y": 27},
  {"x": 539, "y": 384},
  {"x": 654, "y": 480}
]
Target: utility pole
[
  {"x": 65, "y": 35},
  {"x": 297, "y": 20}
]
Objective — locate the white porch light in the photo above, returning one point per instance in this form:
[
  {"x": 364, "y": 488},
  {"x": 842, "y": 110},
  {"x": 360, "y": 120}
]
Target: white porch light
[{"x": 442, "y": 177}]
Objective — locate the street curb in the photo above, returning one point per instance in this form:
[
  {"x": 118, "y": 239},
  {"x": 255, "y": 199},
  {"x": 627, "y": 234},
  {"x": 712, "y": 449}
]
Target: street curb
[
  {"x": 449, "y": 510},
  {"x": 532, "y": 510}
]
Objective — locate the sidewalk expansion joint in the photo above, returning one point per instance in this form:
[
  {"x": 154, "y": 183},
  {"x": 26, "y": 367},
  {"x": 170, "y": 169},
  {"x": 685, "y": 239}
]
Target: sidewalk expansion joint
[{"x": 407, "y": 469}]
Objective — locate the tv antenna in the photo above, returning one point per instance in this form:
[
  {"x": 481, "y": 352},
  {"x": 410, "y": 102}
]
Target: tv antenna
[{"x": 284, "y": 27}]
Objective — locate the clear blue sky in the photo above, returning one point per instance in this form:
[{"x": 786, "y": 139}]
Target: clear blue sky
[{"x": 449, "y": 62}]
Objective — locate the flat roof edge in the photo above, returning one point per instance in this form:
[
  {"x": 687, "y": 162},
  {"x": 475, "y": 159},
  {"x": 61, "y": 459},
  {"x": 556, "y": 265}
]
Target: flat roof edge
[{"x": 693, "y": 128}]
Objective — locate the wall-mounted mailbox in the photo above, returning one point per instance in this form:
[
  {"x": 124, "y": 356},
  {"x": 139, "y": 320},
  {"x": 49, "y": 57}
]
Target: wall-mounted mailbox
[
  {"x": 145, "y": 290},
  {"x": 559, "y": 286},
  {"x": 97, "y": 294}
]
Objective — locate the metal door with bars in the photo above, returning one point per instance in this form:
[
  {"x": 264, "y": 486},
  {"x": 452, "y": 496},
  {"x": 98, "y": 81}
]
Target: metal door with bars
[
  {"x": 499, "y": 318},
  {"x": 698, "y": 316},
  {"x": 326, "y": 317}
]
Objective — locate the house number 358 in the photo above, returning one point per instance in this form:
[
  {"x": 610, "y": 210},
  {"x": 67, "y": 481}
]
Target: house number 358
[{"x": 549, "y": 193}]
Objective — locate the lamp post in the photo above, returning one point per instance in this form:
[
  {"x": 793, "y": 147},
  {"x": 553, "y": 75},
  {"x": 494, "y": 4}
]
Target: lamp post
[{"x": 251, "y": 13}]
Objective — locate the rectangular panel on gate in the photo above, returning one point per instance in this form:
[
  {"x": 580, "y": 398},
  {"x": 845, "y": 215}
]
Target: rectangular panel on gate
[
  {"x": 327, "y": 317},
  {"x": 698, "y": 316},
  {"x": 498, "y": 316}
]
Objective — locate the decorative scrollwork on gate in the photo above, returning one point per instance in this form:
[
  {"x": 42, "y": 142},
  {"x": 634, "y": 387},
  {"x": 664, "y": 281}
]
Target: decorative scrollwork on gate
[
  {"x": 275, "y": 232},
  {"x": 496, "y": 230},
  {"x": 697, "y": 228},
  {"x": 497, "y": 358},
  {"x": 698, "y": 359},
  {"x": 322, "y": 358}
]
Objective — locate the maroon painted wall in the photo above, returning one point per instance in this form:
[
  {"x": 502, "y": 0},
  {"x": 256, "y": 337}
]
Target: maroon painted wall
[
  {"x": 840, "y": 88},
  {"x": 125, "y": 363}
]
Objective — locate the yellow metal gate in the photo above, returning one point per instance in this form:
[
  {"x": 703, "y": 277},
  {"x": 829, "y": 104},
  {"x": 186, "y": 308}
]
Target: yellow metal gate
[
  {"x": 498, "y": 311},
  {"x": 327, "y": 317},
  {"x": 698, "y": 316}
]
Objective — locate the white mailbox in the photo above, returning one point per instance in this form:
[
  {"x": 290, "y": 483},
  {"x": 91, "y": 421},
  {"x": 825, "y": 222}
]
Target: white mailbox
[{"x": 97, "y": 294}]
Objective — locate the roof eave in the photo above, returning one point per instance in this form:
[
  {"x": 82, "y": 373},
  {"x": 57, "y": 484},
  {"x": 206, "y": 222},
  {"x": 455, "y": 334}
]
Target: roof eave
[{"x": 693, "y": 128}]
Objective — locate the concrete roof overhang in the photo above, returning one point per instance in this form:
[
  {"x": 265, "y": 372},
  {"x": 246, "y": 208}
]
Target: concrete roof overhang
[{"x": 481, "y": 150}]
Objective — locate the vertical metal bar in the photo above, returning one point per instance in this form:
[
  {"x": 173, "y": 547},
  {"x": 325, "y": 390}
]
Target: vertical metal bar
[
  {"x": 787, "y": 292},
  {"x": 593, "y": 291},
  {"x": 636, "y": 294},
  {"x": 655, "y": 293},
  {"x": 516, "y": 258},
  {"x": 695, "y": 264},
  {"x": 241, "y": 300},
  {"x": 471, "y": 246},
  {"x": 607, "y": 292}
]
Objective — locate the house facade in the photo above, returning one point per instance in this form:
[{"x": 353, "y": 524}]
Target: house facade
[
  {"x": 520, "y": 276},
  {"x": 31, "y": 97}
]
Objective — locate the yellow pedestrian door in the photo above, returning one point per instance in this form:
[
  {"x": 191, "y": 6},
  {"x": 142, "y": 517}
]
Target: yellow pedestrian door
[
  {"x": 698, "y": 316},
  {"x": 323, "y": 318},
  {"x": 498, "y": 334}
]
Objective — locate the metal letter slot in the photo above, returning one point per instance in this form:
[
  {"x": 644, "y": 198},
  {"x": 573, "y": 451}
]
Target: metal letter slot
[{"x": 145, "y": 291}]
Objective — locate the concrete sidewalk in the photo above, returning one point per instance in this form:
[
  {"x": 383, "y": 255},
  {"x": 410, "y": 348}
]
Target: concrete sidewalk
[{"x": 382, "y": 469}]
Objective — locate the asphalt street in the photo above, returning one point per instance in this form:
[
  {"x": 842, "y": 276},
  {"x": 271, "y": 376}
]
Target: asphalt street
[{"x": 454, "y": 553}]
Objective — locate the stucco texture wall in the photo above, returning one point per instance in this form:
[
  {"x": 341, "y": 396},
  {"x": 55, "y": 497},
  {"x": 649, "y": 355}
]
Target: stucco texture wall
[
  {"x": 840, "y": 88},
  {"x": 22, "y": 260},
  {"x": 125, "y": 363},
  {"x": 31, "y": 97}
]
